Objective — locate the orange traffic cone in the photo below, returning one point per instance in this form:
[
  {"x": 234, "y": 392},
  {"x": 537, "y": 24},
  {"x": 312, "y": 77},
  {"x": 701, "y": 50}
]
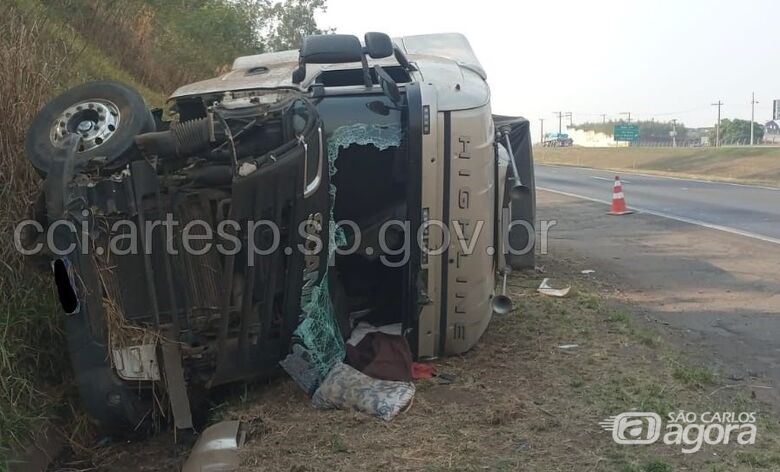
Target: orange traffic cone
[{"x": 618, "y": 200}]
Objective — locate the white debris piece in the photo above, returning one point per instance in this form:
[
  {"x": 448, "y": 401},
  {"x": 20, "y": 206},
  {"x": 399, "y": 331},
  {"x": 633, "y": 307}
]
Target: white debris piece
[
  {"x": 545, "y": 289},
  {"x": 247, "y": 168}
]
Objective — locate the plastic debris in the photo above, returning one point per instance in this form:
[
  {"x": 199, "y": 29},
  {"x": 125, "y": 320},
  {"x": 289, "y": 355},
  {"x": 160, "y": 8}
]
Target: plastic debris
[
  {"x": 546, "y": 289},
  {"x": 247, "y": 168},
  {"x": 298, "y": 366},
  {"x": 568, "y": 346},
  {"x": 444, "y": 378},
  {"x": 588, "y": 271}
]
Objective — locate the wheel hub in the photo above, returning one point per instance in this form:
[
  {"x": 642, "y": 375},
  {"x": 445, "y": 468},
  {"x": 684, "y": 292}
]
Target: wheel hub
[
  {"x": 85, "y": 127},
  {"x": 95, "y": 121}
]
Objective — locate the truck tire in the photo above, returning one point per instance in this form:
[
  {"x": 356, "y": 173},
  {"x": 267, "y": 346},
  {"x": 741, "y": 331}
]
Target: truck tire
[{"x": 106, "y": 114}]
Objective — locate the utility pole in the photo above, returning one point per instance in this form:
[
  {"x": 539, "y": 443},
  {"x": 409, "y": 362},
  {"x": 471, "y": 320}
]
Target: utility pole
[
  {"x": 674, "y": 133},
  {"x": 604, "y": 118},
  {"x": 627, "y": 113},
  {"x": 752, "y": 115},
  {"x": 561, "y": 115},
  {"x": 571, "y": 118},
  {"x": 717, "y": 127},
  {"x": 541, "y": 121}
]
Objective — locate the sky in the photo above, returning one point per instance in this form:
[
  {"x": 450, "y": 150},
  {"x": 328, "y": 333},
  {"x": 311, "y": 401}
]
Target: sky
[{"x": 659, "y": 59}]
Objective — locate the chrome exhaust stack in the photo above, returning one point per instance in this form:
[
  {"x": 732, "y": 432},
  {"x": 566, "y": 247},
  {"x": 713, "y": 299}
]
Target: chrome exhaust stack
[{"x": 502, "y": 304}]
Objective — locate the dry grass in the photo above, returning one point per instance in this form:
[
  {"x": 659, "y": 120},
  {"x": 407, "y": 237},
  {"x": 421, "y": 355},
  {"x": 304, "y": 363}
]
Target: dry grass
[
  {"x": 45, "y": 47},
  {"x": 518, "y": 402},
  {"x": 120, "y": 333},
  {"x": 30, "y": 340},
  {"x": 759, "y": 165},
  {"x": 129, "y": 33},
  {"x": 42, "y": 51}
]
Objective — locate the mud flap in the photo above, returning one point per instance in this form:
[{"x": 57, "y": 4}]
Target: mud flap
[
  {"x": 523, "y": 209},
  {"x": 176, "y": 385}
]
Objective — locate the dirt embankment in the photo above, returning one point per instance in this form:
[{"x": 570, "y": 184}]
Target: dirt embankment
[{"x": 756, "y": 165}]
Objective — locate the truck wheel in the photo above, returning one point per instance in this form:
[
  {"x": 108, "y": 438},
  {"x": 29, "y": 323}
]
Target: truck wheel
[{"x": 107, "y": 115}]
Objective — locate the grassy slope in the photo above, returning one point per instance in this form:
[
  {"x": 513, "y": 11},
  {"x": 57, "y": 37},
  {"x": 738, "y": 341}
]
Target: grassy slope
[
  {"x": 88, "y": 61},
  {"x": 31, "y": 362},
  {"x": 760, "y": 165}
]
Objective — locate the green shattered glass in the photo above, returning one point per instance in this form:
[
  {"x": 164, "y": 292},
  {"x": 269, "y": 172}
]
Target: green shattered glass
[{"x": 319, "y": 329}]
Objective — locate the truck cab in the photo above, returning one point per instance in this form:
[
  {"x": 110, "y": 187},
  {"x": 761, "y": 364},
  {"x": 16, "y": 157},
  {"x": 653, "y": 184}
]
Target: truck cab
[{"x": 356, "y": 182}]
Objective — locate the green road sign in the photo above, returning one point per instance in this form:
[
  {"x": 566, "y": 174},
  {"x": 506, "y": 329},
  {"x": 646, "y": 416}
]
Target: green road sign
[{"x": 626, "y": 132}]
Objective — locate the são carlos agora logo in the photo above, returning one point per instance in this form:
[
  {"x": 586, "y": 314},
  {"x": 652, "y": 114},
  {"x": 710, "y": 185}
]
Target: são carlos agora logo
[{"x": 689, "y": 430}]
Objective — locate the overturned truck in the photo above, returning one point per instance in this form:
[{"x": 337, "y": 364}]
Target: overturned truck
[{"x": 280, "y": 203}]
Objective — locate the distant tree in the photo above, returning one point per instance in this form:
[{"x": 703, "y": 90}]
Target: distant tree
[
  {"x": 737, "y": 132},
  {"x": 225, "y": 29},
  {"x": 221, "y": 29},
  {"x": 284, "y": 24},
  {"x": 657, "y": 131}
]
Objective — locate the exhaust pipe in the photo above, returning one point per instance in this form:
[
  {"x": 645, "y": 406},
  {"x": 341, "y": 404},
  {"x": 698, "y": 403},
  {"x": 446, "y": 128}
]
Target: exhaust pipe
[
  {"x": 502, "y": 304},
  {"x": 518, "y": 190}
]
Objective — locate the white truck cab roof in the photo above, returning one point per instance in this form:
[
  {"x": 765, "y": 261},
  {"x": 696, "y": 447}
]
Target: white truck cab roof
[{"x": 444, "y": 60}]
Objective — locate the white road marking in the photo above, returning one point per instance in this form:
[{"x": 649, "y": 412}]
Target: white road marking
[
  {"x": 704, "y": 224},
  {"x": 609, "y": 180},
  {"x": 660, "y": 176}
]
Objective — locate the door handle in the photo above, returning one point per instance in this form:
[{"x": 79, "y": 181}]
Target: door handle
[{"x": 310, "y": 187}]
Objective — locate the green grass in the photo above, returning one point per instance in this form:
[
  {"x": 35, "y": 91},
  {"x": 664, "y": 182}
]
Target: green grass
[
  {"x": 652, "y": 466},
  {"x": 32, "y": 363},
  {"x": 760, "y": 460},
  {"x": 694, "y": 376}
]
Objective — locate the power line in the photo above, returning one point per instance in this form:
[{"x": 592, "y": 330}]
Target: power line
[{"x": 561, "y": 115}]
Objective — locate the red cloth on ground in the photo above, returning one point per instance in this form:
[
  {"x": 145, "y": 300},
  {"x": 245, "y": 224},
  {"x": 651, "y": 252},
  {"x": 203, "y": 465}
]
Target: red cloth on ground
[{"x": 421, "y": 371}]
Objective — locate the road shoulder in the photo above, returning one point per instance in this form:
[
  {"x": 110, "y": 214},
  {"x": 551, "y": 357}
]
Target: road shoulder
[{"x": 714, "y": 293}]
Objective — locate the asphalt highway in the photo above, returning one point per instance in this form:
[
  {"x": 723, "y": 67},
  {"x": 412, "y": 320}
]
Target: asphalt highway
[{"x": 749, "y": 211}]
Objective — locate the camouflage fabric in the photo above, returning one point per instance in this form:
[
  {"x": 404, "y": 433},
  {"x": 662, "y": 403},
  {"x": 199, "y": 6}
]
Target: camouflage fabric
[{"x": 346, "y": 388}]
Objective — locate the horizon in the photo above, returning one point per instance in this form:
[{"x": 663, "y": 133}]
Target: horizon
[{"x": 721, "y": 53}]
